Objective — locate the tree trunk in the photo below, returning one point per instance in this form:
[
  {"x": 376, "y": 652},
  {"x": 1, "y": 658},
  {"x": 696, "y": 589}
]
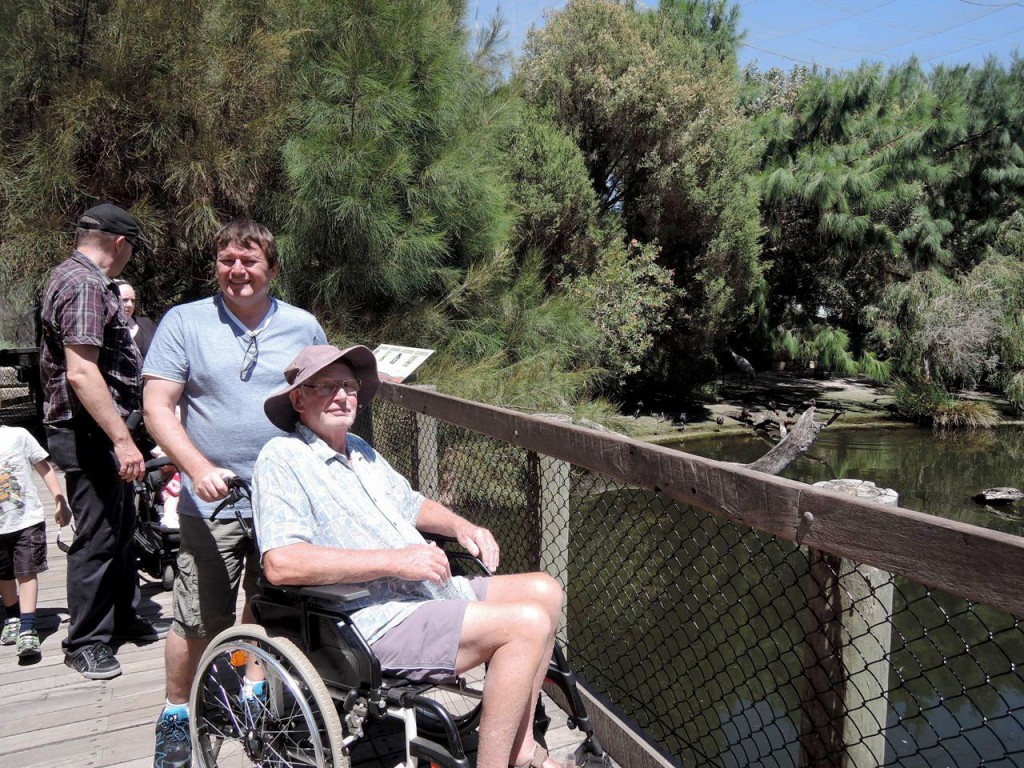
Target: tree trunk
[{"x": 792, "y": 446}]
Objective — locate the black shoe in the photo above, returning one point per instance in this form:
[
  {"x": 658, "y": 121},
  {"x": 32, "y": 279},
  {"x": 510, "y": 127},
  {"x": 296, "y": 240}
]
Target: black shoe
[
  {"x": 138, "y": 630},
  {"x": 173, "y": 743},
  {"x": 95, "y": 662}
]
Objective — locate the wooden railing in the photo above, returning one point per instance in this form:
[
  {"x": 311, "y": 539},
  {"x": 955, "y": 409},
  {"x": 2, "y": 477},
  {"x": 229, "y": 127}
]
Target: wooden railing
[{"x": 975, "y": 563}]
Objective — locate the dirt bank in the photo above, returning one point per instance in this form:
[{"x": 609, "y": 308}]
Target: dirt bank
[{"x": 862, "y": 403}]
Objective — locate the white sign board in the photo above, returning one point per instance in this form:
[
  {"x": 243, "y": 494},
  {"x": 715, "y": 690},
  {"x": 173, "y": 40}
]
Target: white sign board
[{"x": 396, "y": 363}]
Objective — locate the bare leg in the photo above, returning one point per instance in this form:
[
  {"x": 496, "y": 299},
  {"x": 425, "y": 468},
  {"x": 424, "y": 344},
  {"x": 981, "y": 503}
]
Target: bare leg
[
  {"x": 8, "y": 591},
  {"x": 253, "y": 670},
  {"x": 546, "y": 592},
  {"x": 513, "y": 637},
  {"x": 181, "y": 660},
  {"x": 28, "y": 592}
]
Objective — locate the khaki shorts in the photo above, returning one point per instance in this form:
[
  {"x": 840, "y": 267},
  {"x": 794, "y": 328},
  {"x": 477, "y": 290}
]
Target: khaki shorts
[
  {"x": 210, "y": 562},
  {"x": 424, "y": 646}
]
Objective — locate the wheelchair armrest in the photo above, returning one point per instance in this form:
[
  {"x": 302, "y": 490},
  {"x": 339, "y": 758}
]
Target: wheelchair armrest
[
  {"x": 334, "y": 593},
  {"x": 341, "y": 593}
]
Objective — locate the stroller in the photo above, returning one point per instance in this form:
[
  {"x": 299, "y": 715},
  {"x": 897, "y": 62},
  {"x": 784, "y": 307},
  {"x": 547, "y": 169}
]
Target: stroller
[{"x": 156, "y": 545}]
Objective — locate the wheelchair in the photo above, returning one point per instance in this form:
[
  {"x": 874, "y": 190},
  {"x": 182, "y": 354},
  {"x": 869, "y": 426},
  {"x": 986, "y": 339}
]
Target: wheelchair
[
  {"x": 156, "y": 546},
  {"x": 327, "y": 701}
]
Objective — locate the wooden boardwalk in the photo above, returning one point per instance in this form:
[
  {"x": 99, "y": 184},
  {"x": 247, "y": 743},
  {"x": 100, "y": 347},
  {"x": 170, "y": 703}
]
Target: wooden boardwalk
[{"x": 51, "y": 716}]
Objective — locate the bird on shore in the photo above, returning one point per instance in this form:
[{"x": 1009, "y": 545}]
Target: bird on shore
[
  {"x": 791, "y": 412},
  {"x": 719, "y": 420}
]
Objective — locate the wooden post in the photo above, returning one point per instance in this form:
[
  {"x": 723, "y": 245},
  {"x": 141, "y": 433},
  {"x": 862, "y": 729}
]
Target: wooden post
[
  {"x": 554, "y": 525},
  {"x": 427, "y": 473},
  {"x": 533, "y": 510},
  {"x": 821, "y": 744},
  {"x": 426, "y": 453},
  {"x": 860, "y": 639}
]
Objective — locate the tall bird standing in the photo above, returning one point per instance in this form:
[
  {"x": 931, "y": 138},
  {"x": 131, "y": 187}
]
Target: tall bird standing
[{"x": 744, "y": 366}]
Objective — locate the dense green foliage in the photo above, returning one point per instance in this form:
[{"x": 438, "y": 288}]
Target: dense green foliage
[
  {"x": 171, "y": 108},
  {"x": 652, "y": 99},
  {"x": 609, "y": 216}
]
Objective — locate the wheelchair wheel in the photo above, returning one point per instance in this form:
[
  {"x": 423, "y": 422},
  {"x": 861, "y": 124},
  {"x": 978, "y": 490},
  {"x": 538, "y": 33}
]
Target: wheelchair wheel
[
  {"x": 462, "y": 701},
  {"x": 297, "y": 725}
]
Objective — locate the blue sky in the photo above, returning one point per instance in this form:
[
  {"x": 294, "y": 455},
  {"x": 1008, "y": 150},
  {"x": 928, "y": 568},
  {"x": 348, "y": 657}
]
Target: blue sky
[{"x": 838, "y": 34}]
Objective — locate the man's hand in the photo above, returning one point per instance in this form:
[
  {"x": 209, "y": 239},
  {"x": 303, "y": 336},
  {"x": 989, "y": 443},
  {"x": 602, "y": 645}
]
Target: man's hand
[
  {"x": 211, "y": 485},
  {"x": 130, "y": 464},
  {"x": 480, "y": 543},
  {"x": 422, "y": 562}
]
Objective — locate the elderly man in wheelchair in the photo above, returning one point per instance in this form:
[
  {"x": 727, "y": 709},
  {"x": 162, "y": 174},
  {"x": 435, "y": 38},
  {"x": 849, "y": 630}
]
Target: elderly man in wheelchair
[{"x": 381, "y": 621}]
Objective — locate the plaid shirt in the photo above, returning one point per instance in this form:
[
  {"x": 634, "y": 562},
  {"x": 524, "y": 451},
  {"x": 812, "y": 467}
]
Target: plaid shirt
[{"x": 81, "y": 305}]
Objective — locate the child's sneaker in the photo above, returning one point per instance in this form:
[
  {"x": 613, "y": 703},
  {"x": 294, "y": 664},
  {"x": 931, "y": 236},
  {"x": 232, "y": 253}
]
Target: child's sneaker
[
  {"x": 28, "y": 644},
  {"x": 9, "y": 636},
  {"x": 254, "y": 702}
]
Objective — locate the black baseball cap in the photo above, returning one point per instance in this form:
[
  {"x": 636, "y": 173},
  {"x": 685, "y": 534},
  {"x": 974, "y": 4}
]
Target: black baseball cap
[{"x": 107, "y": 217}]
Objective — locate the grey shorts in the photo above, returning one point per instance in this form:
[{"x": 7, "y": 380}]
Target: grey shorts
[
  {"x": 425, "y": 645},
  {"x": 210, "y": 562}
]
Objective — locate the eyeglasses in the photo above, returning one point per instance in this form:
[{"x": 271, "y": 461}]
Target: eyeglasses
[
  {"x": 249, "y": 358},
  {"x": 330, "y": 388}
]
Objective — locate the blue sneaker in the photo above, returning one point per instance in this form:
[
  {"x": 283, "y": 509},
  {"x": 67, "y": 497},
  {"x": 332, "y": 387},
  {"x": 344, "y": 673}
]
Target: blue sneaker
[{"x": 173, "y": 743}]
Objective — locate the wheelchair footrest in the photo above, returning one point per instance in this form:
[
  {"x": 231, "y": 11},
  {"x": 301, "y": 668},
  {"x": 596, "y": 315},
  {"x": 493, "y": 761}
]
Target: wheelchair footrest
[{"x": 435, "y": 753}]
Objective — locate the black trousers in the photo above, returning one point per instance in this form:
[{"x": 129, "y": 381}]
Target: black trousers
[{"x": 103, "y": 578}]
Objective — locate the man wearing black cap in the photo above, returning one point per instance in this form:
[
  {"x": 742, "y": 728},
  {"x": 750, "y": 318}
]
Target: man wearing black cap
[{"x": 90, "y": 370}]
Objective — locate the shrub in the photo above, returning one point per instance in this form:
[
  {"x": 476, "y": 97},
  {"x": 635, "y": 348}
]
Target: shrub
[{"x": 927, "y": 403}]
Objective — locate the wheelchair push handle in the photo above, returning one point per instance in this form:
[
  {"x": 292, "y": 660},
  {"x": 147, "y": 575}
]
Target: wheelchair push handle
[
  {"x": 158, "y": 462},
  {"x": 238, "y": 489}
]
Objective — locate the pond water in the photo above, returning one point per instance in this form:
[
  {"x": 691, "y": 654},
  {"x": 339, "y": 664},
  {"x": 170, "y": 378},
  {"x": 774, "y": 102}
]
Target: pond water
[{"x": 932, "y": 472}]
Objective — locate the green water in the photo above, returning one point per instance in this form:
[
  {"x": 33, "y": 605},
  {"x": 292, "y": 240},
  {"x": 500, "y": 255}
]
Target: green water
[
  {"x": 691, "y": 625},
  {"x": 932, "y": 472}
]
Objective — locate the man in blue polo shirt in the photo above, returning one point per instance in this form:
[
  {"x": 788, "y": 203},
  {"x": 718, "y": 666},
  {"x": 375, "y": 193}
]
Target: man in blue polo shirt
[{"x": 216, "y": 359}]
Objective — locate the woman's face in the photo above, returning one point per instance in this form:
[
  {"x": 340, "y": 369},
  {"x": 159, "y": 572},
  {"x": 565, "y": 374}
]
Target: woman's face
[{"x": 128, "y": 299}]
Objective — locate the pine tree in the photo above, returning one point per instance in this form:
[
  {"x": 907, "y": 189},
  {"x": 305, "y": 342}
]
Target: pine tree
[
  {"x": 652, "y": 99},
  {"x": 393, "y": 167},
  {"x": 171, "y": 109}
]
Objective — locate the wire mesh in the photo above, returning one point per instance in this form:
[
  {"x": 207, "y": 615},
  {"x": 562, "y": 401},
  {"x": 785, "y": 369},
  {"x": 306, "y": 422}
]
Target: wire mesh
[
  {"x": 727, "y": 646},
  {"x": 17, "y": 399}
]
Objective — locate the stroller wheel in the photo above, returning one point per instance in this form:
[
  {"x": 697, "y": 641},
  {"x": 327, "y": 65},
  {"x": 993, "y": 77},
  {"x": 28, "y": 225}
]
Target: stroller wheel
[{"x": 167, "y": 577}]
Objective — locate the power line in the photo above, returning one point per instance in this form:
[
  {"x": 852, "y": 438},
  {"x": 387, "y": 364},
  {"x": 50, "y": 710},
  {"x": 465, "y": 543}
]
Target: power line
[
  {"x": 868, "y": 14},
  {"x": 991, "y": 5}
]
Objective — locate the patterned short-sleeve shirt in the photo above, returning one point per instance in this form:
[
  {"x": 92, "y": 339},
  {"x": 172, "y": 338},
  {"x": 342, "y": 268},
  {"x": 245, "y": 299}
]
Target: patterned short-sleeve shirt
[{"x": 305, "y": 492}]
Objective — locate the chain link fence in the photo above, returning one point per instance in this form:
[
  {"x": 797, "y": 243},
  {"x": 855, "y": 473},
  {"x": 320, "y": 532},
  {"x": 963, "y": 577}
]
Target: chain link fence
[
  {"x": 724, "y": 645},
  {"x": 18, "y": 400}
]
